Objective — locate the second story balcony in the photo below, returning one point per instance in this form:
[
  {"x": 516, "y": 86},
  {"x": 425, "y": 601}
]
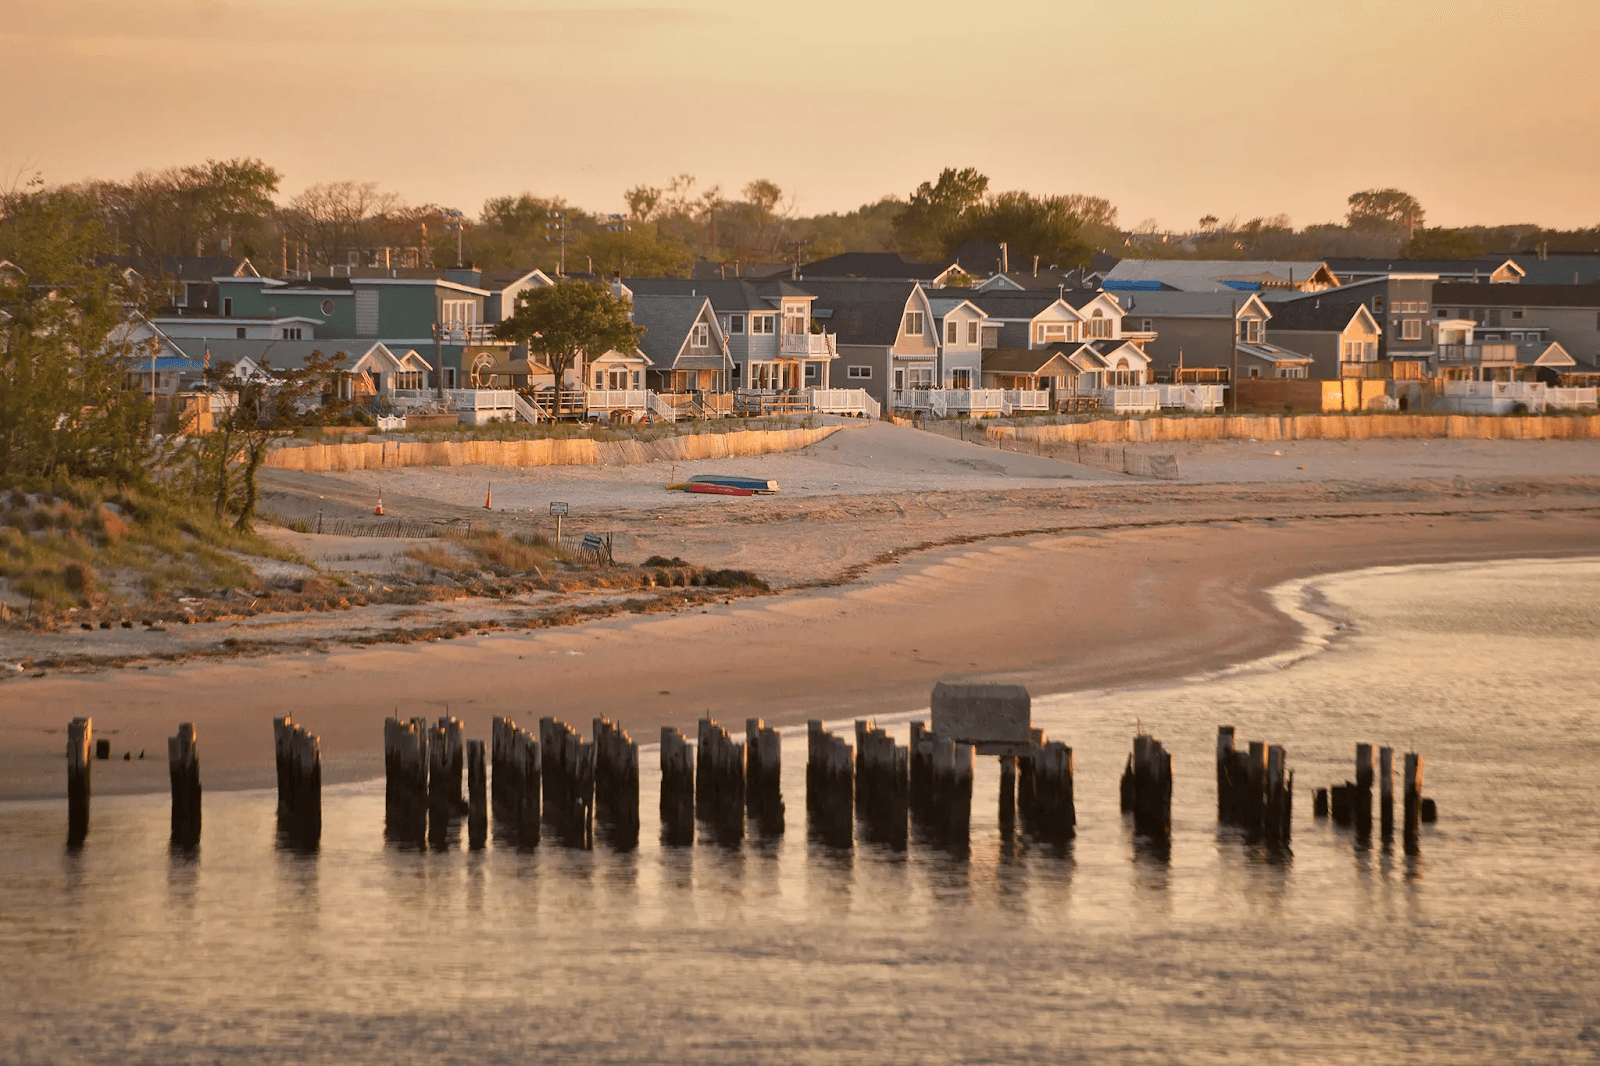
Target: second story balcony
[
  {"x": 819, "y": 345},
  {"x": 464, "y": 333},
  {"x": 1477, "y": 355}
]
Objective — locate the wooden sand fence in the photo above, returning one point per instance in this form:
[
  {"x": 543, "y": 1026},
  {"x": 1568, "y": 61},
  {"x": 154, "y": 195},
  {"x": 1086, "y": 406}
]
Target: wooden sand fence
[
  {"x": 1309, "y": 427},
  {"x": 575, "y": 451}
]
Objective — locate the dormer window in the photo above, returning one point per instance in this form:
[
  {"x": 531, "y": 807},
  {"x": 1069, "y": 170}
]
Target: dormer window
[
  {"x": 1250, "y": 330},
  {"x": 1099, "y": 326},
  {"x": 700, "y": 336},
  {"x": 913, "y": 324}
]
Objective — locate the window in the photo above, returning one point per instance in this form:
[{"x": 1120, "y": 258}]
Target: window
[
  {"x": 227, "y": 307},
  {"x": 972, "y": 332},
  {"x": 913, "y": 324},
  {"x": 637, "y": 375},
  {"x": 239, "y": 333},
  {"x": 1422, "y": 306},
  {"x": 291, "y": 333},
  {"x": 1517, "y": 314},
  {"x": 327, "y": 307},
  {"x": 1250, "y": 330},
  {"x": 921, "y": 377},
  {"x": 700, "y": 335},
  {"x": 1377, "y": 305},
  {"x": 736, "y": 324},
  {"x": 458, "y": 313},
  {"x": 899, "y": 380},
  {"x": 1147, "y": 325},
  {"x": 1052, "y": 332},
  {"x": 813, "y": 372},
  {"x": 858, "y": 372},
  {"x": 794, "y": 319},
  {"x": 961, "y": 379},
  {"x": 1408, "y": 307},
  {"x": 1099, "y": 326},
  {"x": 180, "y": 297},
  {"x": 1516, "y": 336},
  {"x": 950, "y": 328},
  {"x": 1494, "y": 317},
  {"x": 763, "y": 324},
  {"x": 1411, "y": 329},
  {"x": 1441, "y": 312}
]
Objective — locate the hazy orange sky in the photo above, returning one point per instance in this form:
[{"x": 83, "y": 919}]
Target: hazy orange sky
[{"x": 1487, "y": 110}]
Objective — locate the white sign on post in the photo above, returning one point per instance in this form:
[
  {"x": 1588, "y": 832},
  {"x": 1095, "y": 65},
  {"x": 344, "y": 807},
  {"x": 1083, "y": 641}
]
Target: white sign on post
[{"x": 558, "y": 508}]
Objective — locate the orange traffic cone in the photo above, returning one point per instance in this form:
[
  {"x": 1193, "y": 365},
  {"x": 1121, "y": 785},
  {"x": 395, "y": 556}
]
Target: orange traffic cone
[
  {"x": 488, "y": 500},
  {"x": 378, "y": 510}
]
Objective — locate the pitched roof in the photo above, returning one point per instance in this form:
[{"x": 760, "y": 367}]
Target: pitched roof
[
  {"x": 185, "y": 267},
  {"x": 863, "y": 311},
  {"x": 1010, "y": 303},
  {"x": 1193, "y": 304},
  {"x": 666, "y": 321},
  {"x": 1217, "y": 275},
  {"x": 1022, "y": 360},
  {"x": 282, "y": 355},
  {"x": 1346, "y": 266},
  {"x": 885, "y": 265},
  {"x": 1487, "y": 295},
  {"x": 1559, "y": 268},
  {"x": 734, "y": 294},
  {"x": 1313, "y": 313}
]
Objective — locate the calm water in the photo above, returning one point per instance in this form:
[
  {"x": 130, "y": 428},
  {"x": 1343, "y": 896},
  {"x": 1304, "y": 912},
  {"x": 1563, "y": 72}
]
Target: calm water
[{"x": 1485, "y": 947}]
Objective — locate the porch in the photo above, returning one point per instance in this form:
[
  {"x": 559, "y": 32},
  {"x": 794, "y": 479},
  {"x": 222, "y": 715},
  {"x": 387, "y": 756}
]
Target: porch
[{"x": 946, "y": 403}]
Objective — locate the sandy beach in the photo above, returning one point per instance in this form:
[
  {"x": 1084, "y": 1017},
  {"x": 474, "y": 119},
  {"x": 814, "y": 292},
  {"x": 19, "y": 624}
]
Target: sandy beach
[{"x": 901, "y": 559}]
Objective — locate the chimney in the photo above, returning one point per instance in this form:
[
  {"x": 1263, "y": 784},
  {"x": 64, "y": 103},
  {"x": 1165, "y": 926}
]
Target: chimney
[
  {"x": 1035, "y": 266},
  {"x": 1005, "y": 259}
]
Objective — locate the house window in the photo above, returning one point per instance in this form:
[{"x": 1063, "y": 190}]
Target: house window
[
  {"x": 921, "y": 377},
  {"x": 1441, "y": 312},
  {"x": 1408, "y": 307},
  {"x": 794, "y": 319},
  {"x": 1099, "y": 326},
  {"x": 239, "y": 333},
  {"x": 458, "y": 313},
  {"x": 858, "y": 372},
  {"x": 700, "y": 336},
  {"x": 899, "y": 380},
  {"x": 813, "y": 372},
  {"x": 637, "y": 374},
  {"x": 327, "y": 307},
  {"x": 227, "y": 307},
  {"x": 1516, "y": 336},
  {"x": 1250, "y": 330},
  {"x": 1422, "y": 306},
  {"x": 736, "y": 324},
  {"x": 766, "y": 324},
  {"x": 961, "y": 379},
  {"x": 1377, "y": 305},
  {"x": 950, "y": 331},
  {"x": 291, "y": 333},
  {"x": 599, "y": 379},
  {"x": 1052, "y": 332},
  {"x": 1517, "y": 315},
  {"x": 1411, "y": 329},
  {"x": 972, "y": 333},
  {"x": 1147, "y": 325},
  {"x": 1494, "y": 317},
  {"x": 913, "y": 323}
]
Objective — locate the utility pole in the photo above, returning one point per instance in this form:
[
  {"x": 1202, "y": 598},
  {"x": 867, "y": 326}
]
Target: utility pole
[
  {"x": 1233, "y": 375},
  {"x": 454, "y": 220},
  {"x": 559, "y": 228}
]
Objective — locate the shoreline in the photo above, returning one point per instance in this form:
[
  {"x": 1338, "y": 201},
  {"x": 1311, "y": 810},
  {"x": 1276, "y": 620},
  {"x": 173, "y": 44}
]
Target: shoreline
[{"x": 1089, "y": 609}]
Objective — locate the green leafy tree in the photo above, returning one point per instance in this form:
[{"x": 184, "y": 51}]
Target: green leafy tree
[
  {"x": 259, "y": 409},
  {"x": 1440, "y": 243},
  {"x": 923, "y": 229},
  {"x": 1043, "y": 226},
  {"x": 561, "y": 324},
  {"x": 67, "y": 408},
  {"x": 1385, "y": 211},
  {"x": 216, "y": 207},
  {"x": 635, "y": 252}
]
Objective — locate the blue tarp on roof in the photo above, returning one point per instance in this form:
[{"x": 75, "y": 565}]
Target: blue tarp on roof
[
  {"x": 1242, "y": 286},
  {"x": 166, "y": 362},
  {"x": 1125, "y": 285}
]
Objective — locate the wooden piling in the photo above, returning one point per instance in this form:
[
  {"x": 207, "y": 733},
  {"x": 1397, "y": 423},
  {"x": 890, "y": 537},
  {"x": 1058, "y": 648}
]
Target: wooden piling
[
  {"x": 763, "y": 773},
  {"x": 1361, "y": 815},
  {"x": 830, "y": 777},
  {"x": 677, "y": 788},
  {"x": 1008, "y": 793},
  {"x": 1386, "y": 791},
  {"x": 1225, "y": 784},
  {"x": 920, "y": 770},
  {"x": 405, "y": 772},
  {"x": 1046, "y": 801},
  {"x": 446, "y": 760},
  {"x": 1150, "y": 783},
  {"x": 951, "y": 799},
  {"x": 183, "y": 767},
  {"x": 516, "y": 771},
  {"x": 882, "y": 785},
  {"x": 1278, "y": 812},
  {"x": 80, "y": 737},
  {"x": 719, "y": 781},
  {"x": 568, "y": 776},
  {"x": 1413, "y": 799},
  {"x": 299, "y": 756},
  {"x": 616, "y": 783},
  {"x": 477, "y": 796},
  {"x": 1319, "y": 803}
]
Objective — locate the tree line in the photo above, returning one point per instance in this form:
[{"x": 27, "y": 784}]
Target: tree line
[{"x": 233, "y": 208}]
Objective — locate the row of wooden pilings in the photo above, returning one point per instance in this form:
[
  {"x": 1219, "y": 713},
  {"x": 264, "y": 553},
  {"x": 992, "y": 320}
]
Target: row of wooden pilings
[{"x": 561, "y": 779}]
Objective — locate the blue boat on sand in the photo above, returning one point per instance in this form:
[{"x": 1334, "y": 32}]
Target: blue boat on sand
[{"x": 754, "y": 484}]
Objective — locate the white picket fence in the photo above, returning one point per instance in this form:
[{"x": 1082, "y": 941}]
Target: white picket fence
[
  {"x": 1502, "y": 397},
  {"x": 1192, "y": 397},
  {"x": 1131, "y": 401},
  {"x": 844, "y": 402}
]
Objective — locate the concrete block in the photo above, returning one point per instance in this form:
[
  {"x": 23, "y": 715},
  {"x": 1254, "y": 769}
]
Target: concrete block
[{"x": 982, "y": 714}]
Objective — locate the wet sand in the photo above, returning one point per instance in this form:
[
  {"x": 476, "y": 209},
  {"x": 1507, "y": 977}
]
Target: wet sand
[{"x": 1088, "y": 609}]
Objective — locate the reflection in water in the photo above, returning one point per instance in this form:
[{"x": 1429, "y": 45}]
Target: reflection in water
[{"x": 364, "y": 944}]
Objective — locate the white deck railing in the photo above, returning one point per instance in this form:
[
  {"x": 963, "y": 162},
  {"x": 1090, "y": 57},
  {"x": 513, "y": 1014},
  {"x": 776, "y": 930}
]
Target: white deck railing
[
  {"x": 529, "y": 410},
  {"x": 1125, "y": 401},
  {"x": 480, "y": 399},
  {"x": 818, "y": 344},
  {"x": 456, "y": 333},
  {"x": 1191, "y": 397},
  {"x": 1028, "y": 399},
  {"x": 945, "y": 402},
  {"x": 613, "y": 399},
  {"x": 845, "y": 402}
]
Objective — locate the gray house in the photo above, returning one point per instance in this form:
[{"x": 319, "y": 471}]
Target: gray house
[
  {"x": 1203, "y": 335},
  {"x": 1341, "y": 338},
  {"x": 886, "y": 331},
  {"x": 684, "y": 342},
  {"x": 1568, "y": 314}
]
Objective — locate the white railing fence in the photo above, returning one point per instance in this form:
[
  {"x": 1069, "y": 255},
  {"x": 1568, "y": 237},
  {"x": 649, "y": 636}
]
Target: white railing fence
[
  {"x": 844, "y": 402},
  {"x": 610, "y": 399},
  {"x": 529, "y": 410},
  {"x": 1191, "y": 397},
  {"x": 480, "y": 399},
  {"x": 1147, "y": 398}
]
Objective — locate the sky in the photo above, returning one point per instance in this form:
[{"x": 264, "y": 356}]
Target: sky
[{"x": 1487, "y": 111}]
